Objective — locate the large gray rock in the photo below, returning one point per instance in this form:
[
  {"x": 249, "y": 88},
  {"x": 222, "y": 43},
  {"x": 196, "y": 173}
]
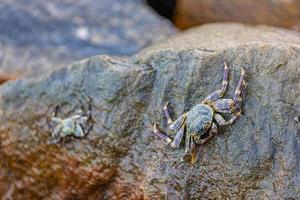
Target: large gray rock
[
  {"x": 36, "y": 36},
  {"x": 256, "y": 158}
]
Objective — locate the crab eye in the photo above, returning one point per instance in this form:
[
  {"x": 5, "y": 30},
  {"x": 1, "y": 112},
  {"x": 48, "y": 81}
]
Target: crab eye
[{"x": 207, "y": 125}]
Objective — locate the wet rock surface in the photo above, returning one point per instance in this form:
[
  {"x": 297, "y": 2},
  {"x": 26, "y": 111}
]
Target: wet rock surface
[
  {"x": 36, "y": 36},
  {"x": 256, "y": 158}
]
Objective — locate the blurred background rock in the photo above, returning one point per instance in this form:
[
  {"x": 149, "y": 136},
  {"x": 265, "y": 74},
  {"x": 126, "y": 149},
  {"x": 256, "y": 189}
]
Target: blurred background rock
[
  {"x": 285, "y": 13},
  {"x": 189, "y": 13},
  {"x": 38, "y": 35}
]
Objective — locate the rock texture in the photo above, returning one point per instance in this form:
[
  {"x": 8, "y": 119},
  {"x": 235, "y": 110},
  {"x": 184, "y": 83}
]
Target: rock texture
[
  {"x": 256, "y": 158},
  {"x": 285, "y": 13},
  {"x": 36, "y": 36}
]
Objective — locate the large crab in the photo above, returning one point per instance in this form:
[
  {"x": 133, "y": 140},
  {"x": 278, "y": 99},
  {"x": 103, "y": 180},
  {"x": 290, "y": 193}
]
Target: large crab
[
  {"x": 78, "y": 125},
  {"x": 204, "y": 120}
]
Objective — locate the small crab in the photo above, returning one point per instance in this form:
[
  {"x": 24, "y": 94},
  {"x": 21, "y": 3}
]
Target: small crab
[
  {"x": 204, "y": 120},
  {"x": 78, "y": 125}
]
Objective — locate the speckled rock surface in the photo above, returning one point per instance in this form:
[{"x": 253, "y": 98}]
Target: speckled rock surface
[
  {"x": 36, "y": 36},
  {"x": 256, "y": 158}
]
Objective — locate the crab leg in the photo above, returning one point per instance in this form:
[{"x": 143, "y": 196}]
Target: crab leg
[
  {"x": 193, "y": 151},
  {"x": 167, "y": 113},
  {"x": 178, "y": 123},
  {"x": 224, "y": 105},
  {"x": 56, "y": 120},
  {"x": 55, "y": 135},
  {"x": 75, "y": 117},
  {"x": 239, "y": 88},
  {"x": 219, "y": 119},
  {"x": 173, "y": 125},
  {"x": 55, "y": 141},
  {"x": 234, "y": 118},
  {"x": 230, "y": 105},
  {"x": 222, "y": 122},
  {"x": 88, "y": 113},
  {"x": 56, "y": 111},
  {"x": 87, "y": 118},
  {"x": 86, "y": 131},
  {"x": 178, "y": 137},
  {"x": 189, "y": 147},
  {"x": 219, "y": 93},
  {"x": 160, "y": 134},
  {"x": 186, "y": 153}
]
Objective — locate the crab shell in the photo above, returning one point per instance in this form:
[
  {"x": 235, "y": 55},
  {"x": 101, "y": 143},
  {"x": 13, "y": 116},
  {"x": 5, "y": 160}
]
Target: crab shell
[
  {"x": 198, "y": 121},
  {"x": 68, "y": 127}
]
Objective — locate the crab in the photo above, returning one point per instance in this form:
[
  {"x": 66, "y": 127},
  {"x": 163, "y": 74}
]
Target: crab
[
  {"x": 204, "y": 120},
  {"x": 78, "y": 125}
]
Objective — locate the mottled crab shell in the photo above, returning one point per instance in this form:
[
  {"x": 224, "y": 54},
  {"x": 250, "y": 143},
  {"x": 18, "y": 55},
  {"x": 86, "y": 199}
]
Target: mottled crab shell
[
  {"x": 68, "y": 127},
  {"x": 78, "y": 131},
  {"x": 199, "y": 120}
]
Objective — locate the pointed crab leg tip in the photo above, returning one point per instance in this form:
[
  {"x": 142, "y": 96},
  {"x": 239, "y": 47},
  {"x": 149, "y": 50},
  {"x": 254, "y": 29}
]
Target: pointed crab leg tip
[
  {"x": 177, "y": 165},
  {"x": 225, "y": 65},
  {"x": 169, "y": 141},
  {"x": 155, "y": 130},
  {"x": 243, "y": 71},
  {"x": 166, "y": 104},
  {"x": 173, "y": 145}
]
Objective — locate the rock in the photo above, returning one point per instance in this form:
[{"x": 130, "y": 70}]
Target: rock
[
  {"x": 256, "y": 158},
  {"x": 36, "y": 37},
  {"x": 164, "y": 8},
  {"x": 283, "y": 13}
]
